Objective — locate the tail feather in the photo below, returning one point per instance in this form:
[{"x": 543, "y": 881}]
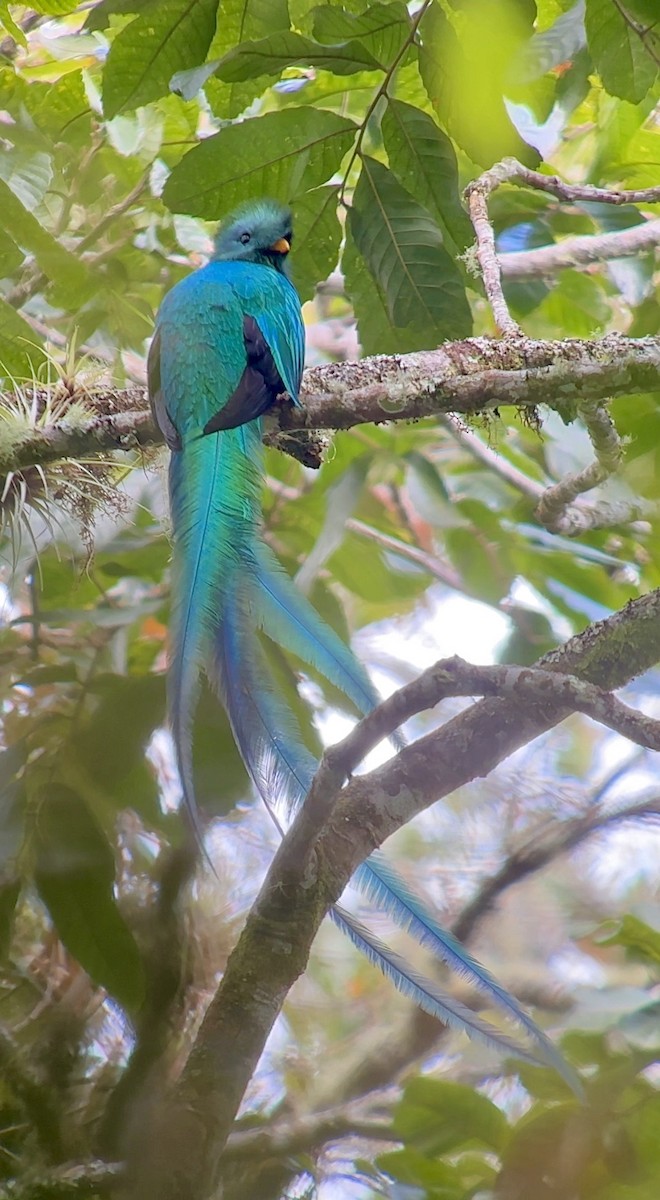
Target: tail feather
[
  {"x": 288, "y": 618},
  {"x": 383, "y": 885},
  {"x": 283, "y": 769},
  {"x": 230, "y": 586},
  {"x": 212, "y": 519},
  {"x": 265, "y": 730},
  {"x": 194, "y": 592},
  {"x": 425, "y": 992},
  {"x": 279, "y": 764}
]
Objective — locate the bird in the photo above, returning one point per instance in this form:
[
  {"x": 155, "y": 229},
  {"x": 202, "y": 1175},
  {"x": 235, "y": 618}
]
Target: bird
[{"x": 229, "y": 340}]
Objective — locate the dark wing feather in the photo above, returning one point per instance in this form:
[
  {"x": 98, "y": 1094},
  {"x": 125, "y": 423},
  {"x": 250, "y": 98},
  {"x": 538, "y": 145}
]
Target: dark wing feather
[{"x": 259, "y": 385}]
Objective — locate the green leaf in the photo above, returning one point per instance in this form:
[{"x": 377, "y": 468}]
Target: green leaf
[
  {"x": 619, "y": 54},
  {"x": 62, "y": 672},
  {"x": 268, "y": 58},
  {"x": 642, "y": 1027},
  {"x": 75, "y": 876},
  {"x": 341, "y": 498},
  {"x": 100, "y": 14},
  {"x": 436, "y": 1117},
  {"x": 12, "y": 806},
  {"x": 242, "y": 21},
  {"x": 110, "y": 745},
  {"x": 27, "y": 171},
  {"x": 61, "y": 110},
  {"x": 382, "y": 29},
  {"x": 10, "y": 890},
  {"x": 466, "y": 79},
  {"x": 386, "y": 581},
  {"x": 428, "y": 494},
  {"x": 575, "y": 307},
  {"x": 9, "y": 26},
  {"x": 485, "y": 570},
  {"x": 641, "y": 941},
  {"x": 61, "y": 584},
  {"x": 56, "y": 262},
  {"x": 303, "y": 12},
  {"x": 417, "y": 1171},
  {"x": 317, "y": 239},
  {"x": 541, "y": 1082},
  {"x": 284, "y": 49},
  {"x": 646, "y": 11},
  {"x": 20, "y": 347},
  {"x": 376, "y": 330},
  {"x": 280, "y": 154},
  {"x": 423, "y": 160},
  {"x": 171, "y": 36},
  {"x": 54, "y": 8},
  {"x": 403, "y": 249},
  {"x": 221, "y": 780},
  {"x": 532, "y": 1153}
]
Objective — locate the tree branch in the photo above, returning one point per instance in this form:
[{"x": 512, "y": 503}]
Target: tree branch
[
  {"x": 273, "y": 948},
  {"x": 556, "y": 510},
  {"x": 304, "y": 1134},
  {"x": 583, "y": 250},
  {"x": 73, "y": 1181},
  {"x": 477, "y": 200},
  {"x": 509, "y": 170},
  {"x": 464, "y": 377},
  {"x": 455, "y": 677}
]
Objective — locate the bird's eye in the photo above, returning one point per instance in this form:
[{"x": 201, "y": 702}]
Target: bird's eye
[{"x": 244, "y": 238}]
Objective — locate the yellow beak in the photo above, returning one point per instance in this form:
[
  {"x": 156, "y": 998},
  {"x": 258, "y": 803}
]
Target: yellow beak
[{"x": 281, "y": 246}]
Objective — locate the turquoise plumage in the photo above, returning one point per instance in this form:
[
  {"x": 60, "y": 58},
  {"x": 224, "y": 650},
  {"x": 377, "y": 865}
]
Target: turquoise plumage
[{"x": 228, "y": 340}]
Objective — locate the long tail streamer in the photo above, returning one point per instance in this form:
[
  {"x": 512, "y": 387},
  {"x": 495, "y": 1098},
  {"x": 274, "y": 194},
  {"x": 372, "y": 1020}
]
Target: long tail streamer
[{"x": 234, "y": 592}]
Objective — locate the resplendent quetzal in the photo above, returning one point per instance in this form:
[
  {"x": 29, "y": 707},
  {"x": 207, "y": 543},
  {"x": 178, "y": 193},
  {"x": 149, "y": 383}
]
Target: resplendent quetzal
[{"x": 230, "y": 338}]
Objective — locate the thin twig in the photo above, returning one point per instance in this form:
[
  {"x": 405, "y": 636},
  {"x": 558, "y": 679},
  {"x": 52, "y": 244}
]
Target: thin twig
[
  {"x": 509, "y": 170},
  {"x": 582, "y": 250},
  {"x": 554, "y": 507},
  {"x": 477, "y": 202},
  {"x": 428, "y": 562},
  {"x": 440, "y": 570},
  {"x": 530, "y": 488},
  {"x": 116, "y": 210},
  {"x": 380, "y": 92},
  {"x": 304, "y": 1134},
  {"x": 37, "y": 279},
  {"x": 556, "y": 510},
  {"x": 524, "y": 862}
]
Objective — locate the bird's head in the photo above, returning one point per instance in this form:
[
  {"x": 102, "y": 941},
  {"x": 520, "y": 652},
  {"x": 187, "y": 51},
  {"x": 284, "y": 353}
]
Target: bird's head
[{"x": 259, "y": 232}]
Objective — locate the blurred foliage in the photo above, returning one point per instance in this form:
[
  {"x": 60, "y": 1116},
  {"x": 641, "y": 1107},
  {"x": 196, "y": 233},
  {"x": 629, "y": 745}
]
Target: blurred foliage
[{"x": 128, "y": 127}]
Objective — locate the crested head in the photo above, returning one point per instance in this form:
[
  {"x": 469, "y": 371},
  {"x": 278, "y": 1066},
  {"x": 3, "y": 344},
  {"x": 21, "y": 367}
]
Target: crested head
[{"x": 259, "y": 232}]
